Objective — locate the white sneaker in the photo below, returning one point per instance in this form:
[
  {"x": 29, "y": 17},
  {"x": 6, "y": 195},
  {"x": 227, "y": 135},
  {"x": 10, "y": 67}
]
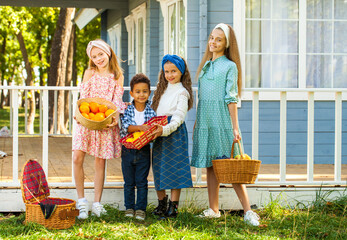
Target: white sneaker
[
  {"x": 209, "y": 213},
  {"x": 251, "y": 218},
  {"x": 83, "y": 207},
  {"x": 98, "y": 209}
]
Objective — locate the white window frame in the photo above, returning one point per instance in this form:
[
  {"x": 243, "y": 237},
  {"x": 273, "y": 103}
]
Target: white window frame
[
  {"x": 239, "y": 26},
  {"x": 164, "y": 5},
  {"x": 131, "y": 22},
  {"x": 115, "y": 33}
]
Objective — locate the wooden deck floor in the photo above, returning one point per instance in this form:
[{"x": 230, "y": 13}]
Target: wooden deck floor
[{"x": 60, "y": 165}]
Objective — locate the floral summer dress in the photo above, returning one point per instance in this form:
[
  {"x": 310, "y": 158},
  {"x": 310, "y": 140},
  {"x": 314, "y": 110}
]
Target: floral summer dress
[
  {"x": 100, "y": 143},
  {"x": 213, "y": 133}
]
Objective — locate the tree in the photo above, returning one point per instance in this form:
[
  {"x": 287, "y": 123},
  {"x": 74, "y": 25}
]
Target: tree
[{"x": 57, "y": 72}]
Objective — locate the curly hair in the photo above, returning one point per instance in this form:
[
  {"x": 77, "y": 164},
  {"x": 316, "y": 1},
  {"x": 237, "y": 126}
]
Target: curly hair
[
  {"x": 162, "y": 85},
  {"x": 139, "y": 78}
]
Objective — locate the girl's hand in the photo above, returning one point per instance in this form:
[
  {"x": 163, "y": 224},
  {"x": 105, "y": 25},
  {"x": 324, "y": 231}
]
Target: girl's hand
[
  {"x": 237, "y": 136},
  {"x": 113, "y": 123},
  {"x": 158, "y": 132},
  {"x": 74, "y": 117}
]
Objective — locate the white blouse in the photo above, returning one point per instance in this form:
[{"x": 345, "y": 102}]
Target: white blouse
[{"x": 173, "y": 102}]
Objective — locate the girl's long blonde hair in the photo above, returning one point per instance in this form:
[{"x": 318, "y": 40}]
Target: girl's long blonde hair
[
  {"x": 232, "y": 53},
  {"x": 113, "y": 65},
  {"x": 163, "y": 83}
]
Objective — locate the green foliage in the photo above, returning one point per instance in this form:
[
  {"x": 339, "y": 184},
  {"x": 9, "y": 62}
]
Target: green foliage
[
  {"x": 5, "y": 119},
  {"x": 37, "y": 26},
  {"x": 287, "y": 223}
]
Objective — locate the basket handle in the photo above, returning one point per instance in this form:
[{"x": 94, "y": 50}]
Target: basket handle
[{"x": 232, "y": 149}]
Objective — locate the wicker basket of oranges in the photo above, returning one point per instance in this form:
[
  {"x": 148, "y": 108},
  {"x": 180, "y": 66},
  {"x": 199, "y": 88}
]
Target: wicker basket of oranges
[{"x": 95, "y": 113}]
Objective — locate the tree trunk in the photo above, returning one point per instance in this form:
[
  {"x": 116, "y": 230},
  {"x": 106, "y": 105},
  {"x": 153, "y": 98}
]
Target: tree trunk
[
  {"x": 29, "y": 82},
  {"x": 57, "y": 71},
  {"x": 69, "y": 75}
]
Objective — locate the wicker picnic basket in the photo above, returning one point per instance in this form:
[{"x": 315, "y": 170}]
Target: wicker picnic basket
[
  {"x": 146, "y": 137},
  {"x": 35, "y": 192},
  {"x": 91, "y": 124},
  {"x": 236, "y": 170}
]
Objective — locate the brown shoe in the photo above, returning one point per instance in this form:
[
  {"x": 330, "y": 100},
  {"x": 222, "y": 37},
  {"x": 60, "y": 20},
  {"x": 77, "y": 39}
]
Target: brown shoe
[{"x": 140, "y": 215}]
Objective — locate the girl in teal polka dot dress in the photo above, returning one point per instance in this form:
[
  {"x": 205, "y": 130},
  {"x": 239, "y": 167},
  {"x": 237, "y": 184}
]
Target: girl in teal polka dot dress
[{"x": 216, "y": 126}]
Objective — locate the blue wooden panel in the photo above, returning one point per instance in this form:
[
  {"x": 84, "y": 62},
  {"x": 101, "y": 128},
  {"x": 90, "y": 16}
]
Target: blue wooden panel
[
  {"x": 296, "y": 105},
  {"x": 220, "y": 5},
  {"x": 324, "y": 136},
  {"x": 219, "y": 17},
  {"x": 193, "y": 5}
]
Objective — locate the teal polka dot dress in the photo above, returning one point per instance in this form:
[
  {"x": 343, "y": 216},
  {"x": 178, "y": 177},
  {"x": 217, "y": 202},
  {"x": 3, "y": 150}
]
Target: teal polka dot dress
[{"x": 213, "y": 133}]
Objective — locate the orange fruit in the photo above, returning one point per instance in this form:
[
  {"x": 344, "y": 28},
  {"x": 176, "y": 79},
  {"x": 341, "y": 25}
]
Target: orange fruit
[
  {"x": 101, "y": 114},
  {"x": 108, "y": 112},
  {"x": 103, "y": 108},
  {"x": 99, "y": 117},
  {"x": 85, "y": 115},
  {"x": 94, "y": 107},
  {"x": 84, "y": 109},
  {"x": 91, "y": 115},
  {"x": 85, "y": 103}
]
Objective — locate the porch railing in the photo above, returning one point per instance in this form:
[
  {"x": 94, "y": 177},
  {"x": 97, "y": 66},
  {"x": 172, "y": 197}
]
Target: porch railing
[{"x": 254, "y": 95}]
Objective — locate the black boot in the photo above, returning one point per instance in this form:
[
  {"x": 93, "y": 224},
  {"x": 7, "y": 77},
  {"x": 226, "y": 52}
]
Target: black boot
[
  {"x": 161, "y": 208},
  {"x": 171, "y": 211}
]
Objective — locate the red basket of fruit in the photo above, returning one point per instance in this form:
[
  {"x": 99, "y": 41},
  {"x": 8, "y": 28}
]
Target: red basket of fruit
[{"x": 137, "y": 140}]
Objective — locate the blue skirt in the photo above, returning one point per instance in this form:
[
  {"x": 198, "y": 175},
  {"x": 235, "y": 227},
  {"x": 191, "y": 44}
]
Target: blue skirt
[{"x": 171, "y": 167}]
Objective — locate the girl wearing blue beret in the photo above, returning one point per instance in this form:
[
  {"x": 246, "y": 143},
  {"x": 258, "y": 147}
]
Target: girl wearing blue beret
[{"x": 171, "y": 168}]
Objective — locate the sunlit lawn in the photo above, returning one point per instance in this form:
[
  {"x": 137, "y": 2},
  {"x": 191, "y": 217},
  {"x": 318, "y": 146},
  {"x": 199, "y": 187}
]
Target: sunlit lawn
[{"x": 321, "y": 220}]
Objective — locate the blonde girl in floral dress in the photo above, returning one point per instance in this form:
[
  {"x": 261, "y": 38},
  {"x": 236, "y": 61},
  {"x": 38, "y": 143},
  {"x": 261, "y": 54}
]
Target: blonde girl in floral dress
[{"x": 103, "y": 79}]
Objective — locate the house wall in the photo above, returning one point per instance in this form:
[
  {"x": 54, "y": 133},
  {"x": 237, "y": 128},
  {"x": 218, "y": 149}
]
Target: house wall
[
  {"x": 269, "y": 131},
  {"x": 153, "y": 57},
  {"x": 113, "y": 17},
  {"x": 202, "y": 16}
]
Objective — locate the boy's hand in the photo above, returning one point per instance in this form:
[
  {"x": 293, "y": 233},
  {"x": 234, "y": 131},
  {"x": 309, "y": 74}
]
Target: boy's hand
[
  {"x": 113, "y": 123},
  {"x": 158, "y": 132},
  {"x": 144, "y": 128}
]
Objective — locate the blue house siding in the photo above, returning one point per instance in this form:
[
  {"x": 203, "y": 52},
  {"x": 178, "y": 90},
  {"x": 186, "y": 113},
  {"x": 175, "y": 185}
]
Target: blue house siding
[
  {"x": 193, "y": 46},
  {"x": 115, "y": 16},
  {"x": 152, "y": 39},
  {"x": 161, "y": 40},
  {"x": 219, "y": 12},
  {"x": 202, "y": 16},
  {"x": 269, "y": 131}
]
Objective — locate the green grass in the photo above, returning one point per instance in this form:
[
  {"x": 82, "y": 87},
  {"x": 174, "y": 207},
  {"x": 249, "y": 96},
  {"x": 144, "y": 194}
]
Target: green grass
[
  {"x": 319, "y": 220},
  {"x": 5, "y": 119}
]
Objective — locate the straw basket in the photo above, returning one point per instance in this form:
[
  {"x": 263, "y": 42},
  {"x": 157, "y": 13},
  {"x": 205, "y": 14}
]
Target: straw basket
[
  {"x": 91, "y": 124},
  {"x": 145, "y": 138},
  {"x": 236, "y": 170},
  {"x": 35, "y": 191}
]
